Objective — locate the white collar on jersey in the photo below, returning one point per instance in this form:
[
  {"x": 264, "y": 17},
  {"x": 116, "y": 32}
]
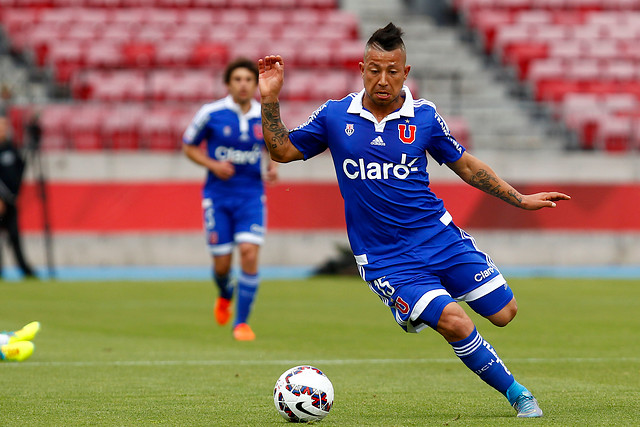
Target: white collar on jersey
[
  {"x": 253, "y": 113},
  {"x": 405, "y": 111}
]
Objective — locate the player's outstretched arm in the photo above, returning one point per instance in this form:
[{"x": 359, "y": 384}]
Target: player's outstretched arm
[
  {"x": 276, "y": 134},
  {"x": 478, "y": 174}
]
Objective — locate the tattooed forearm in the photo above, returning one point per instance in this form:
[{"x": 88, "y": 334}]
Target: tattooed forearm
[
  {"x": 275, "y": 132},
  {"x": 490, "y": 184}
]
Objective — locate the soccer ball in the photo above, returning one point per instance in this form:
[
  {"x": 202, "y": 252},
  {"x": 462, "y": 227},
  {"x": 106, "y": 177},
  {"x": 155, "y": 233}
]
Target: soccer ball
[{"x": 303, "y": 394}]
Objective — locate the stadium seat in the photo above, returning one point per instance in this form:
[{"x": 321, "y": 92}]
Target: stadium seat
[
  {"x": 119, "y": 129},
  {"x": 173, "y": 54},
  {"x": 65, "y": 58},
  {"x": 103, "y": 55},
  {"x": 138, "y": 54},
  {"x": 84, "y": 128},
  {"x": 209, "y": 54},
  {"x": 615, "y": 133},
  {"x": 156, "y": 131},
  {"x": 53, "y": 121}
]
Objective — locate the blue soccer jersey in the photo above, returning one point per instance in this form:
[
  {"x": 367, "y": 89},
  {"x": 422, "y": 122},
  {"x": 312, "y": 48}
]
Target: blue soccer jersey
[
  {"x": 233, "y": 136},
  {"x": 382, "y": 174}
]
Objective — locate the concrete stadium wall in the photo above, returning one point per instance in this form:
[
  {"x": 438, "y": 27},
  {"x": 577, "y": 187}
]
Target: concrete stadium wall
[{"x": 310, "y": 247}]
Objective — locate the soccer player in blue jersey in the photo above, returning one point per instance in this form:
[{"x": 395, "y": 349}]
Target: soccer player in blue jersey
[
  {"x": 233, "y": 199},
  {"x": 406, "y": 244}
]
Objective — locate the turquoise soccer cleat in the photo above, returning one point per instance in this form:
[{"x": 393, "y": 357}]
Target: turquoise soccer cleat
[{"x": 527, "y": 406}]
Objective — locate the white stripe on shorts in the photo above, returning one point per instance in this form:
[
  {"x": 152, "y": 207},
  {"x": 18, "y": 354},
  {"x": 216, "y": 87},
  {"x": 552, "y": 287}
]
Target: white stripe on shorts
[
  {"x": 420, "y": 306},
  {"x": 483, "y": 289},
  {"x": 224, "y": 249},
  {"x": 246, "y": 237}
]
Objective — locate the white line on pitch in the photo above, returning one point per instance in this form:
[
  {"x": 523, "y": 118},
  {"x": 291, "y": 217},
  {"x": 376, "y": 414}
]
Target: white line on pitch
[{"x": 311, "y": 362}]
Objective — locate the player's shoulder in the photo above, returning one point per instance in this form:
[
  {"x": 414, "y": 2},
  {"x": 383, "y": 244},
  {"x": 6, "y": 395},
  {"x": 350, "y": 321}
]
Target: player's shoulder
[
  {"x": 424, "y": 105},
  {"x": 339, "y": 106},
  {"x": 213, "y": 107}
]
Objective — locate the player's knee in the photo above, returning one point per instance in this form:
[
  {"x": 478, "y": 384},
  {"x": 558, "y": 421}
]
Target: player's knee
[
  {"x": 249, "y": 254},
  {"x": 454, "y": 324},
  {"x": 506, "y": 315}
]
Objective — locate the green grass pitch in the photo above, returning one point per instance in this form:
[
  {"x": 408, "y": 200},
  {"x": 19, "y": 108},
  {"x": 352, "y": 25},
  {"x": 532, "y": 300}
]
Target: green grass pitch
[{"x": 142, "y": 353}]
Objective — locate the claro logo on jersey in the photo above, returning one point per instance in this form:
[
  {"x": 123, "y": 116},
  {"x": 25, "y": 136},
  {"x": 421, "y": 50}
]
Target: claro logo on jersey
[
  {"x": 238, "y": 157},
  {"x": 358, "y": 169}
]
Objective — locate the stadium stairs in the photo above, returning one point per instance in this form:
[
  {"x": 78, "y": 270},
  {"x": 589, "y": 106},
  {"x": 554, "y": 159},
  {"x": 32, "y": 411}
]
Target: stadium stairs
[{"x": 461, "y": 82}]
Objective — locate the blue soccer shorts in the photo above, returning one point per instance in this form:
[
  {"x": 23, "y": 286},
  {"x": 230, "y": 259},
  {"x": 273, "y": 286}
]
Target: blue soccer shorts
[
  {"x": 458, "y": 272},
  {"x": 228, "y": 221}
]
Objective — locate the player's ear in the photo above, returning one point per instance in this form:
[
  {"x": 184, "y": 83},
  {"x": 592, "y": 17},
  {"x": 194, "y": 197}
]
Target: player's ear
[
  {"x": 407, "y": 68},
  {"x": 361, "y": 66}
]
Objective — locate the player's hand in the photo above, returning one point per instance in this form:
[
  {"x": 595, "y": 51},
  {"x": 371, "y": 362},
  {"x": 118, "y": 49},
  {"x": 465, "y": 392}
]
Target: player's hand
[
  {"x": 272, "y": 172},
  {"x": 543, "y": 200},
  {"x": 223, "y": 170},
  {"x": 270, "y": 77}
]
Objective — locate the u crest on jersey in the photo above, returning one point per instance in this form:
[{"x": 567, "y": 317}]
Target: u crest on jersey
[
  {"x": 402, "y": 133},
  {"x": 349, "y": 129}
]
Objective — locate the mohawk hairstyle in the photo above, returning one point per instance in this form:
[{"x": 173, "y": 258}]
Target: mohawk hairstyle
[{"x": 388, "y": 38}]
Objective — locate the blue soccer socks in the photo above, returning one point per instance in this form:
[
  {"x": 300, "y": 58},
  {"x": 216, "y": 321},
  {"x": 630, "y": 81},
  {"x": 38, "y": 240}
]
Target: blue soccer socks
[
  {"x": 247, "y": 289},
  {"x": 478, "y": 355}
]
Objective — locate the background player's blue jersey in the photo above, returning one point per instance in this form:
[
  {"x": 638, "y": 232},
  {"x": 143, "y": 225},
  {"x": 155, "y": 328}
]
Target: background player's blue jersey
[
  {"x": 382, "y": 174},
  {"x": 234, "y": 136}
]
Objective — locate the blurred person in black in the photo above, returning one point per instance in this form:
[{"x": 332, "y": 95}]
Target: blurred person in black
[{"x": 11, "y": 170}]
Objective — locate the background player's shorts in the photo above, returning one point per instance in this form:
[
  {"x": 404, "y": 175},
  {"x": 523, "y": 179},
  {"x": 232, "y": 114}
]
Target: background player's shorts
[
  {"x": 457, "y": 271},
  {"x": 233, "y": 220}
]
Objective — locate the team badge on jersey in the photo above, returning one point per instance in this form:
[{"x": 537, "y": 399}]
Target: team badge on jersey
[
  {"x": 226, "y": 130},
  {"x": 404, "y": 137},
  {"x": 257, "y": 130},
  {"x": 349, "y": 129}
]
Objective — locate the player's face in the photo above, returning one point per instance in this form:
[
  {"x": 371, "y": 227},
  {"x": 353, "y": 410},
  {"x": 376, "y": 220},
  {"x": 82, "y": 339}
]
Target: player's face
[
  {"x": 242, "y": 85},
  {"x": 384, "y": 74}
]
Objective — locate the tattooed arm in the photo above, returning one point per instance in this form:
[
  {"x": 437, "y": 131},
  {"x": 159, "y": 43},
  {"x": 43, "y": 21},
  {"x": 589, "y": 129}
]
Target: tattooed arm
[
  {"x": 276, "y": 134},
  {"x": 478, "y": 174}
]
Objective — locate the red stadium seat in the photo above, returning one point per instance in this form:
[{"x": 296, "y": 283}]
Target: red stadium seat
[
  {"x": 349, "y": 54},
  {"x": 119, "y": 129},
  {"x": 209, "y": 54},
  {"x": 84, "y": 128},
  {"x": 615, "y": 133},
  {"x": 174, "y": 54},
  {"x": 156, "y": 131},
  {"x": 138, "y": 54},
  {"x": 103, "y": 55},
  {"x": 65, "y": 58},
  {"x": 53, "y": 121}
]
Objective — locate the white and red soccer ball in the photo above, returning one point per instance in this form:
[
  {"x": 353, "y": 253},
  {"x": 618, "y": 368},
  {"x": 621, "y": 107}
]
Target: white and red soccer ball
[{"x": 303, "y": 394}]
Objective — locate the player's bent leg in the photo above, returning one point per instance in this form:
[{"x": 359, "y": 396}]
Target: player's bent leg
[
  {"x": 505, "y": 315},
  {"x": 481, "y": 358},
  {"x": 454, "y": 323}
]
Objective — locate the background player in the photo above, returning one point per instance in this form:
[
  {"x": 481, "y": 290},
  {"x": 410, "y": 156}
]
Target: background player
[
  {"x": 233, "y": 195},
  {"x": 12, "y": 167},
  {"x": 406, "y": 245}
]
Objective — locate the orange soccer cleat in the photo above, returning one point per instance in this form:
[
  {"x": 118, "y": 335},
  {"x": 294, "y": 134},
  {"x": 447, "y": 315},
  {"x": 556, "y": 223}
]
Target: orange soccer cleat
[
  {"x": 222, "y": 311},
  {"x": 243, "y": 332}
]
